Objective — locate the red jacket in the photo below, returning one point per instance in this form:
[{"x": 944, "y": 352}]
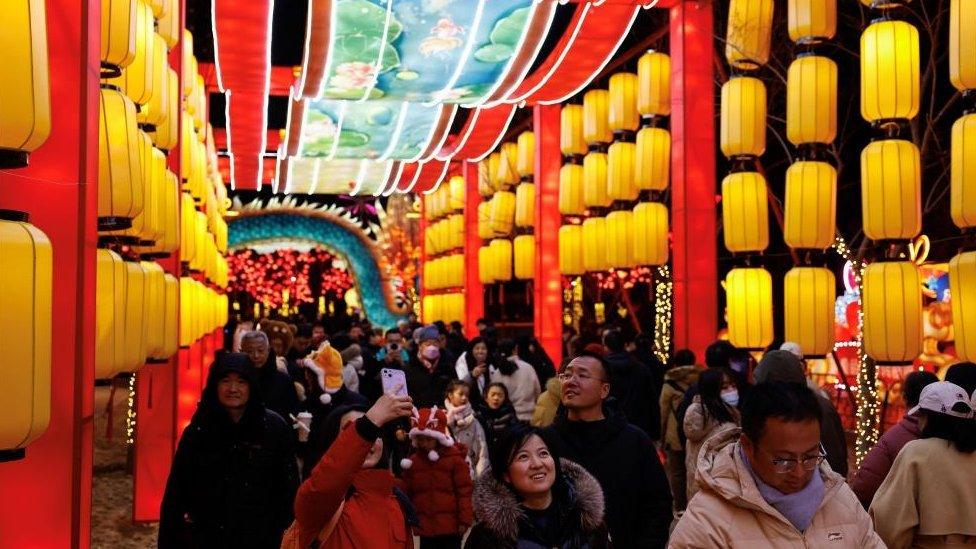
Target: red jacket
[
  {"x": 878, "y": 462},
  {"x": 440, "y": 491},
  {"x": 371, "y": 517}
]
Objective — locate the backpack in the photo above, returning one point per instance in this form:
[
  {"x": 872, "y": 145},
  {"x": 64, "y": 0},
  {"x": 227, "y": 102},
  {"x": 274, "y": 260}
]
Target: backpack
[{"x": 290, "y": 539}]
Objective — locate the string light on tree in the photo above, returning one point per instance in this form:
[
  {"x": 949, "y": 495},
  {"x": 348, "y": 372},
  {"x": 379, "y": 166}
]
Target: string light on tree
[{"x": 663, "y": 293}]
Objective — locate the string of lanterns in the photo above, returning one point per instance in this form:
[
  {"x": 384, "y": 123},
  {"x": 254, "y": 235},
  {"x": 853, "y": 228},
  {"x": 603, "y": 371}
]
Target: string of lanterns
[
  {"x": 271, "y": 276},
  {"x": 443, "y": 272}
]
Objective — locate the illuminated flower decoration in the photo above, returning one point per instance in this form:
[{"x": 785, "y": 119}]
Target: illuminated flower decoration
[
  {"x": 443, "y": 38},
  {"x": 451, "y": 95},
  {"x": 266, "y": 276},
  {"x": 353, "y": 75}
]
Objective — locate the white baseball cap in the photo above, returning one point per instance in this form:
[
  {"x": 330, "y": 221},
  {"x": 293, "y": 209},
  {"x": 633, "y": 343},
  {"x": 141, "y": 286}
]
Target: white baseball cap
[{"x": 942, "y": 397}]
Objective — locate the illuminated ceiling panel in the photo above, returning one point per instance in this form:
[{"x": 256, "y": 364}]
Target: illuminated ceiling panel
[{"x": 340, "y": 176}]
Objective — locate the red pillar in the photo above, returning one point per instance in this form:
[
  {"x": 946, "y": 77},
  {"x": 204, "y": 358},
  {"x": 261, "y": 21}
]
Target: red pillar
[
  {"x": 45, "y": 498},
  {"x": 421, "y": 287},
  {"x": 474, "y": 291},
  {"x": 693, "y": 176},
  {"x": 548, "y": 303}
]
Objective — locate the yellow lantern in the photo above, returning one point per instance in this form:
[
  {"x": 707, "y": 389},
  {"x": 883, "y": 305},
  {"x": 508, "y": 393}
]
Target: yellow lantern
[
  {"x": 595, "y": 180},
  {"x": 525, "y": 257},
  {"x": 892, "y": 305},
  {"x": 889, "y": 71},
  {"x": 811, "y": 100},
  {"x": 118, "y": 47},
  {"x": 26, "y": 271},
  {"x": 571, "y": 190},
  {"x": 200, "y": 117},
  {"x": 654, "y": 84},
  {"x": 745, "y": 212},
  {"x": 962, "y": 49},
  {"x": 501, "y": 257},
  {"x": 169, "y": 23},
  {"x": 962, "y": 282},
  {"x": 148, "y": 225},
  {"x": 190, "y": 70},
  {"x": 571, "y": 250},
  {"x": 155, "y": 109},
  {"x": 456, "y": 193},
  {"x": 502, "y": 215},
  {"x": 166, "y": 133},
  {"x": 963, "y": 172},
  {"x": 484, "y": 221},
  {"x": 743, "y": 122},
  {"x": 171, "y": 303},
  {"x": 508, "y": 174},
  {"x": 622, "y": 112},
  {"x": 621, "y": 159},
  {"x": 652, "y": 167},
  {"x": 429, "y": 309},
  {"x": 25, "y": 112},
  {"x": 749, "y": 298},
  {"x": 491, "y": 165},
  {"x": 526, "y": 154},
  {"x": 188, "y": 221},
  {"x": 455, "y": 225},
  {"x": 136, "y": 78},
  {"x": 155, "y": 308},
  {"x": 808, "y": 309},
  {"x": 595, "y": 244},
  {"x": 596, "y": 127},
  {"x": 750, "y": 28},
  {"x": 811, "y": 205},
  {"x": 811, "y": 21},
  {"x": 120, "y": 185},
  {"x": 525, "y": 205},
  {"x": 135, "y": 317},
  {"x": 891, "y": 190},
  {"x": 486, "y": 265},
  {"x": 651, "y": 234},
  {"x": 620, "y": 239},
  {"x": 571, "y": 141},
  {"x": 110, "y": 285},
  {"x": 188, "y": 311}
]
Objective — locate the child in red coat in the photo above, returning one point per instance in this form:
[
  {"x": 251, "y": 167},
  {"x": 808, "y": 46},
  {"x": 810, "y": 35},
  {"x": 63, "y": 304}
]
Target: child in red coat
[{"x": 437, "y": 479}]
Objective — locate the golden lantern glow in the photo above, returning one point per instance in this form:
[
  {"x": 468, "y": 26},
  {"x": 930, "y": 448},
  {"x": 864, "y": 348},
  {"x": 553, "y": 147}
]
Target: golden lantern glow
[
  {"x": 525, "y": 205},
  {"x": 889, "y": 71},
  {"x": 188, "y": 311},
  {"x": 652, "y": 167},
  {"x": 501, "y": 259},
  {"x": 892, "y": 304},
  {"x": 491, "y": 168},
  {"x": 135, "y": 317},
  {"x": 189, "y": 69},
  {"x": 621, "y": 160},
  {"x": 571, "y": 190},
  {"x": 155, "y": 109},
  {"x": 429, "y": 309},
  {"x": 169, "y": 23},
  {"x": 26, "y": 272},
  {"x": 484, "y": 221},
  {"x": 155, "y": 308},
  {"x": 170, "y": 318},
  {"x": 811, "y": 205},
  {"x": 571, "y": 250},
  {"x": 596, "y": 127},
  {"x": 651, "y": 229},
  {"x": 456, "y": 193},
  {"x": 455, "y": 225},
  {"x": 743, "y": 121},
  {"x": 749, "y": 298},
  {"x": 622, "y": 112},
  {"x": 811, "y": 100},
  {"x": 654, "y": 84},
  {"x": 571, "y": 139},
  {"x": 595, "y": 244},
  {"x": 963, "y": 172},
  {"x": 508, "y": 174},
  {"x": 891, "y": 190},
  {"x": 118, "y": 47},
  {"x": 136, "y": 78},
  {"x": 595, "y": 180},
  {"x": 962, "y": 49},
  {"x": 745, "y": 212},
  {"x": 502, "y": 215},
  {"x": 526, "y": 154},
  {"x": 25, "y": 112},
  {"x": 749, "y": 31},
  {"x": 166, "y": 134},
  {"x": 962, "y": 282},
  {"x": 148, "y": 225},
  {"x": 486, "y": 265},
  {"x": 188, "y": 221},
  {"x": 524, "y": 257},
  {"x": 811, "y": 20},
  {"x": 200, "y": 116},
  {"x": 808, "y": 309},
  {"x": 620, "y": 239},
  {"x": 120, "y": 185},
  {"x": 110, "y": 284}
]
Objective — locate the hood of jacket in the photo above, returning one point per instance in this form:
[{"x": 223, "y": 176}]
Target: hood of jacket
[
  {"x": 209, "y": 407},
  {"x": 554, "y": 387},
  {"x": 685, "y": 375},
  {"x": 497, "y": 506}
]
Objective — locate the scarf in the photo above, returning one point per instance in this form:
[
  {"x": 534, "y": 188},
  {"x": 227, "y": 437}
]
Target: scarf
[
  {"x": 799, "y": 507},
  {"x": 460, "y": 417}
]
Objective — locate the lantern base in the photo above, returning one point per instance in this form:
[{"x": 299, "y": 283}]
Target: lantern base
[
  {"x": 154, "y": 256},
  {"x": 114, "y": 223},
  {"x": 106, "y": 240},
  {"x": 14, "y": 215},
  {"x": 12, "y": 455},
  {"x": 157, "y": 360},
  {"x": 148, "y": 128},
  {"x": 10, "y": 158},
  {"x": 109, "y": 70}
]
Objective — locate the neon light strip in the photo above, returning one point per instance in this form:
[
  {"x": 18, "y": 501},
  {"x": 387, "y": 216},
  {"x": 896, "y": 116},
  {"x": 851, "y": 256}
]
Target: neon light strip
[
  {"x": 469, "y": 127},
  {"x": 359, "y": 177},
  {"x": 501, "y": 135},
  {"x": 416, "y": 177},
  {"x": 227, "y": 130},
  {"x": 395, "y": 138},
  {"x": 439, "y": 179},
  {"x": 378, "y": 65},
  {"x": 296, "y": 90},
  {"x": 444, "y": 135},
  {"x": 399, "y": 174},
  {"x": 315, "y": 176},
  {"x": 328, "y": 55},
  {"x": 465, "y": 55},
  {"x": 213, "y": 36},
  {"x": 392, "y": 187},
  {"x": 430, "y": 135},
  {"x": 339, "y": 122}
]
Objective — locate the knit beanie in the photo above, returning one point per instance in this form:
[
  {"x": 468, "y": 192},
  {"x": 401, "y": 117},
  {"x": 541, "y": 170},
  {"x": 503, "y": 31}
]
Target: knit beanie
[{"x": 781, "y": 366}]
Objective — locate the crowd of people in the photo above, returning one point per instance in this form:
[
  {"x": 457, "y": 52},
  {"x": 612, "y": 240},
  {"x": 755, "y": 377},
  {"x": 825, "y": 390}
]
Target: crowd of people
[{"x": 300, "y": 440}]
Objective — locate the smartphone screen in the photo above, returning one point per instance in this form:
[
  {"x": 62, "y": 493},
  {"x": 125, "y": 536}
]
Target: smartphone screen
[{"x": 394, "y": 380}]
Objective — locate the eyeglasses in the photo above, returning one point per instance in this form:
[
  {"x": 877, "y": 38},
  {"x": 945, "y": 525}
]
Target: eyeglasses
[
  {"x": 784, "y": 466},
  {"x": 582, "y": 377}
]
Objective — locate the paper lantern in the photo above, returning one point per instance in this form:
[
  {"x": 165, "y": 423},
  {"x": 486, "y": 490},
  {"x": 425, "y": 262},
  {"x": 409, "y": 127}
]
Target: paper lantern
[
  {"x": 650, "y": 234},
  {"x": 136, "y": 78},
  {"x": 501, "y": 259},
  {"x": 25, "y": 112},
  {"x": 571, "y": 250},
  {"x": 652, "y": 167},
  {"x": 743, "y": 121},
  {"x": 654, "y": 84},
  {"x": 595, "y": 180},
  {"x": 189, "y": 69},
  {"x": 455, "y": 225},
  {"x": 963, "y": 172},
  {"x": 745, "y": 212},
  {"x": 148, "y": 225},
  {"x": 484, "y": 221},
  {"x": 811, "y": 100},
  {"x": 621, "y": 159},
  {"x": 749, "y": 300},
  {"x": 962, "y": 283},
  {"x": 526, "y": 154},
  {"x": 486, "y": 265},
  {"x": 171, "y": 302},
  {"x": 168, "y": 238},
  {"x": 889, "y": 71},
  {"x": 188, "y": 311},
  {"x": 525, "y": 205},
  {"x": 892, "y": 304},
  {"x": 110, "y": 286},
  {"x": 502, "y": 215},
  {"x": 620, "y": 239},
  {"x": 622, "y": 112},
  {"x": 811, "y": 205},
  {"x": 166, "y": 133},
  {"x": 120, "y": 185},
  {"x": 524, "y": 257},
  {"x": 456, "y": 193},
  {"x": 749, "y": 30},
  {"x": 155, "y": 305},
  {"x": 155, "y": 109},
  {"x": 808, "y": 309},
  {"x": 595, "y": 244},
  {"x": 508, "y": 174},
  {"x": 491, "y": 164},
  {"x": 596, "y": 127},
  {"x": 571, "y": 141},
  {"x": 119, "y": 27},
  {"x": 891, "y": 190},
  {"x": 134, "y": 326},
  {"x": 571, "y": 190},
  {"x": 188, "y": 220},
  {"x": 811, "y": 21},
  {"x": 169, "y": 23},
  {"x": 26, "y": 272},
  {"x": 962, "y": 44}
]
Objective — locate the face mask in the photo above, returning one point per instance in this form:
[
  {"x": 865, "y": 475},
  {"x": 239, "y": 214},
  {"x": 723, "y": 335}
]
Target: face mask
[
  {"x": 730, "y": 397},
  {"x": 431, "y": 352}
]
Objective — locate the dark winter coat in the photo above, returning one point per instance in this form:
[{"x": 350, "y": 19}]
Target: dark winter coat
[
  {"x": 440, "y": 491},
  {"x": 495, "y": 422},
  {"x": 231, "y": 484},
  {"x": 634, "y": 388},
  {"x": 876, "y": 465},
  {"x": 318, "y": 440},
  {"x": 576, "y": 515},
  {"x": 624, "y": 461},
  {"x": 427, "y": 387},
  {"x": 277, "y": 388}
]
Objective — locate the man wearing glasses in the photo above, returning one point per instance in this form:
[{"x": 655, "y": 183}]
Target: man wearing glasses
[{"x": 770, "y": 486}]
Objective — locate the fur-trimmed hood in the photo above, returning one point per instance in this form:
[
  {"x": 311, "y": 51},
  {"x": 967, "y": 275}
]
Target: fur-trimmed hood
[{"x": 497, "y": 507}]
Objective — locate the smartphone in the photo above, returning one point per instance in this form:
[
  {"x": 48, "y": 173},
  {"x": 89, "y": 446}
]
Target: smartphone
[{"x": 393, "y": 379}]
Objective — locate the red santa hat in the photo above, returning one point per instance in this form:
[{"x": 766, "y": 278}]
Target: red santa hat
[{"x": 430, "y": 422}]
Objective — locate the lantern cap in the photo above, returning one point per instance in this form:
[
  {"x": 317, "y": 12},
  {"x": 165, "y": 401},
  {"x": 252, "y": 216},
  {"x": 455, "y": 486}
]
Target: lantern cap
[{"x": 14, "y": 215}]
